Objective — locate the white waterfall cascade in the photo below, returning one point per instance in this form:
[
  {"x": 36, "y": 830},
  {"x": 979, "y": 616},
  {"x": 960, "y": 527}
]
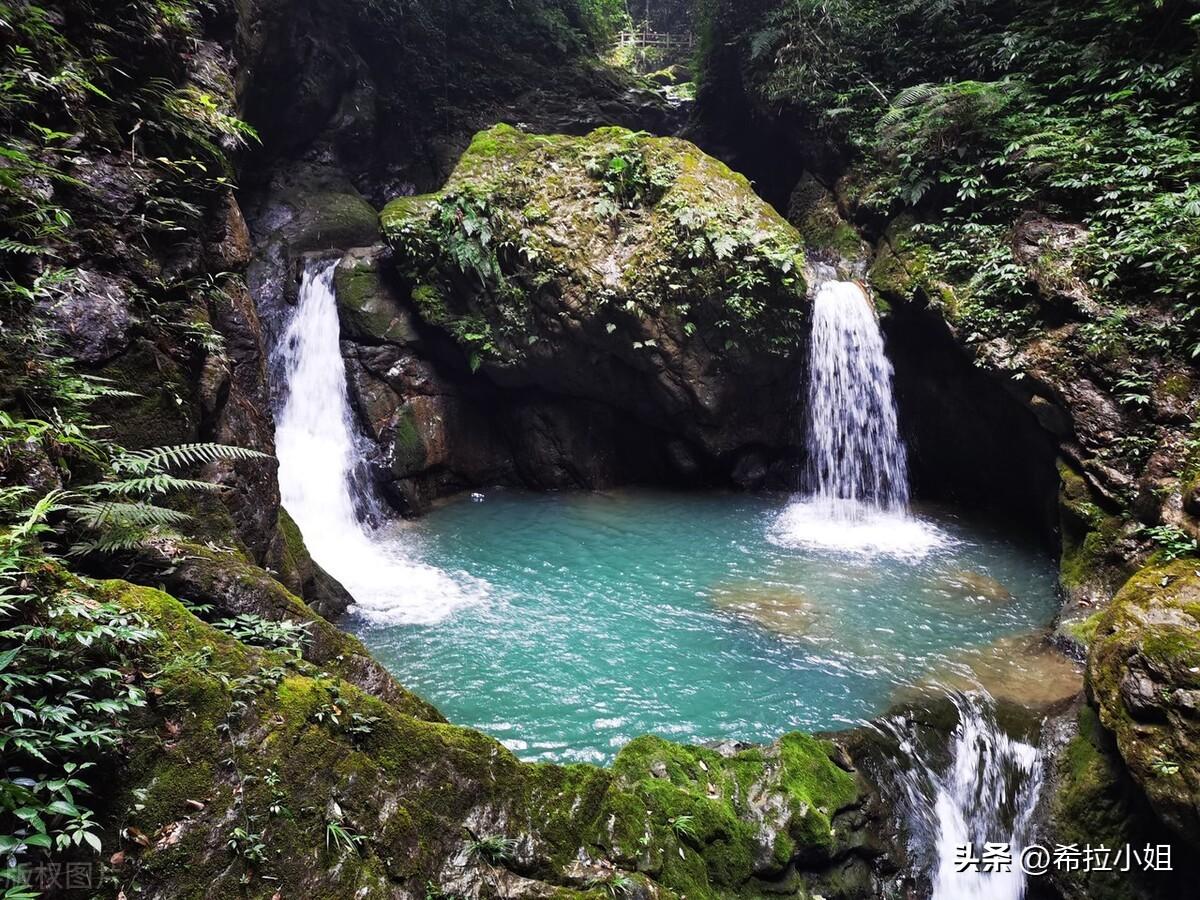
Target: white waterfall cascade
[
  {"x": 317, "y": 447},
  {"x": 987, "y": 794},
  {"x": 855, "y": 487}
]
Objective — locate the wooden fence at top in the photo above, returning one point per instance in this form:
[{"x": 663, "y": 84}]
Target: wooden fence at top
[{"x": 642, "y": 40}]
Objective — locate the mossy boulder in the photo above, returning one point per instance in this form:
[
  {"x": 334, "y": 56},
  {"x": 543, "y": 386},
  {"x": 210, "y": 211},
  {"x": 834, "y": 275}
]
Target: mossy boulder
[
  {"x": 258, "y": 773},
  {"x": 813, "y": 209},
  {"x": 368, "y": 308},
  {"x": 699, "y": 818},
  {"x": 1094, "y": 802},
  {"x": 615, "y": 267},
  {"x": 1144, "y": 675}
]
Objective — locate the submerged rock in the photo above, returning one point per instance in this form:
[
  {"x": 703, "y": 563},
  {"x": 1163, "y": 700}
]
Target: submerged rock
[
  {"x": 785, "y": 611},
  {"x": 1024, "y": 670},
  {"x": 972, "y": 587}
]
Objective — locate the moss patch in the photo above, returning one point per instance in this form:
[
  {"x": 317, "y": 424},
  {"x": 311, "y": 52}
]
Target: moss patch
[
  {"x": 247, "y": 755},
  {"x": 532, "y": 229},
  {"x": 1144, "y": 673}
]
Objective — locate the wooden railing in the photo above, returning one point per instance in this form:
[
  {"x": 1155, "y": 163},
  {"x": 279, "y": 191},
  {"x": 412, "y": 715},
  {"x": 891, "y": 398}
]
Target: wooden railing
[{"x": 641, "y": 40}]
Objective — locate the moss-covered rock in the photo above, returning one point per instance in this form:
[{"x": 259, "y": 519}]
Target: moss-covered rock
[
  {"x": 1091, "y": 565},
  {"x": 617, "y": 267},
  {"x": 259, "y": 773},
  {"x": 368, "y": 308},
  {"x": 1094, "y": 803},
  {"x": 299, "y": 572},
  {"x": 814, "y": 211},
  {"x": 1144, "y": 675},
  {"x": 225, "y": 581},
  {"x": 611, "y": 219},
  {"x": 701, "y": 820}
]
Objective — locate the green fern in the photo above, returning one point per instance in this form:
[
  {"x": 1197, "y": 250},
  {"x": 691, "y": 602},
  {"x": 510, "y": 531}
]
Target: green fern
[
  {"x": 158, "y": 459},
  {"x": 119, "y": 514}
]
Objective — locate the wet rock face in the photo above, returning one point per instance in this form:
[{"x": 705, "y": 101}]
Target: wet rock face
[
  {"x": 614, "y": 272},
  {"x": 1144, "y": 673},
  {"x": 970, "y": 440},
  {"x": 438, "y": 428},
  {"x": 93, "y": 318}
]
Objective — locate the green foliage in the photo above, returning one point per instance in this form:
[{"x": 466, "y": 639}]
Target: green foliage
[
  {"x": 684, "y": 827},
  {"x": 96, "y": 87},
  {"x": 615, "y": 884},
  {"x": 976, "y": 112},
  {"x": 247, "y": 845},
  {"x": 629, "y": 179},
  {"x": 68, "y": 675},
  {"x": 493, "y": 849},
  {"x": 339, "y": 838},
  {"x": 119, "y": 513},
  {"x": 1173, "y": 542},
  {"x": 252, "y": 629},
  {"x": 603, "y": 19},
  {"x": 65, "y": 693}
]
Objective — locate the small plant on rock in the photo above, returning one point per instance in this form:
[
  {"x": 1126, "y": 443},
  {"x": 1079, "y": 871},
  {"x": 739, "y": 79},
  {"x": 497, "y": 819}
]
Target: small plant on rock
[
  {"x": 615, "y": 884},
  {"x": 338, "y": 837},
  {"x": 1173, "y": 542},
  {"x": 684, "y": 827},
  {"x": 493, "y": 850}
]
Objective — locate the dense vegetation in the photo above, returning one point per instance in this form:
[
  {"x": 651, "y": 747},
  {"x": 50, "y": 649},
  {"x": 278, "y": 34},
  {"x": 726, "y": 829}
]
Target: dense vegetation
[
  {"x": 943, "y": 126},
  {"x": 75, "y": 86},
  {"x": 972, "y": 113}
]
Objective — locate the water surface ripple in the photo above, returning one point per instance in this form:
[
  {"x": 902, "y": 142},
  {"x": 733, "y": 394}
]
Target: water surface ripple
[{"x": 611, "y": 615}]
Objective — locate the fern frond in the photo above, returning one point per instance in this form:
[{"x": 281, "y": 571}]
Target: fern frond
[
  {"x": 111, "y": 514},
  {"x": 142, "y": 462},
  {"x": 111, "y": 542},
  {"x": 158, "y": 483},
  {"x": 918, "y": 93},
  {"x": 8, "y": 245}
]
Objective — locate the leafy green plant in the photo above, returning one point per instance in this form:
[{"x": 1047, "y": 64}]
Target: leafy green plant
[
  {"x": 64, "y": 697},
  {"x": 119, "y": 512},
  {"x": 338, "y": 837},
  {"x": 615, "y": 884},
  {"x": 629, "y": 179},
  {"x": 248, "y": 845},
  {"x": 1134, "y": 389},
  {"x": 974, "y": 114},
  {"x": 1173, "y": 542},
  {"x": 1164, "y": 767},
  {"x": 684, "y": 827},
  {"x": 253, "y": 629},
  {"x": 493, "y": 849}
]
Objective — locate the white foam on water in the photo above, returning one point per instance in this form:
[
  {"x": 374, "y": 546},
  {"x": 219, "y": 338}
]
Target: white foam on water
[
  {"x": 855, "y": 529},
  {"x": 318, "y": 451}
]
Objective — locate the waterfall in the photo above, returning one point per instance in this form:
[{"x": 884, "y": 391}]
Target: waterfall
[
  {"x": 317, "y": 444},
  {"x": 987, "y": 793},
  {"x": 855, "y": 456},
  {"x": 855, "y": 482}
]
